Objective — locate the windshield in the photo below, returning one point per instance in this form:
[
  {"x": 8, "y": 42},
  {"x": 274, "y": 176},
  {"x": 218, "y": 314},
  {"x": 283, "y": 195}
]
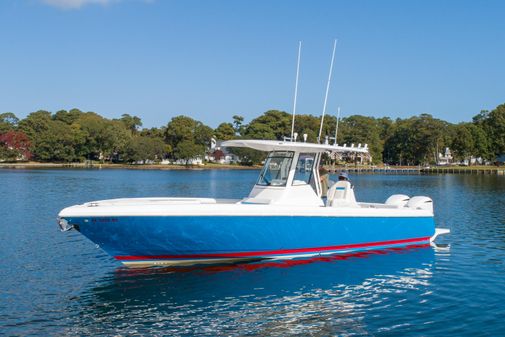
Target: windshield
[
  {"x": 304, "y": 168},
  {"x": 276, "y": 169}
]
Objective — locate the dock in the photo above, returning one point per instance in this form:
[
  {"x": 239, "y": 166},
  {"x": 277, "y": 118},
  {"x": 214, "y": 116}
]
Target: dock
[
  {"x": 418, "y": 170},
  {"x": 375, "y": 170}
]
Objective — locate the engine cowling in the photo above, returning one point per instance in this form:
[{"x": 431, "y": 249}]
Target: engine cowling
[
  {"x": 399, "y": 200},
  {"x": 421, "y": 202}
]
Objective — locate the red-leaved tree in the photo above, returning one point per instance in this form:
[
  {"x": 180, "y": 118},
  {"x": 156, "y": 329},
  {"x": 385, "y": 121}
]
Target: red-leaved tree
[{"x": 15, "y": 145}]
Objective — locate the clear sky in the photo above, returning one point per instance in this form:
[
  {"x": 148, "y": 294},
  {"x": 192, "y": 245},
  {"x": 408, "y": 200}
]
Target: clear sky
[{"x": 214, "y": 59}]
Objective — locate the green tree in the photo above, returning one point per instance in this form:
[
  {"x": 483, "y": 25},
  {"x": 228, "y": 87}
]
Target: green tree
[
  {"x": 260, "y": 131},
  {"x": 238, "y": 122},
  {"x": 75, "y": 135},
  {"x": 224, "y": 131},
  {"x": 417, "y": 140},
  {"x": 8, "y": 122},
  {"x": 362, "y": 130},
  {"x": 203, "y": 134},
  {"x": 481, "y": 142},
  {"x": 273, "y": 124},
  {"x": 395, "y": 148},
  {"x": 187, "y": 150},
  {"x": 190, "y": 133},
  {"x": 386, "y": 126},
  {"x": 430, "y": 137},
  {"x": 145, "y": 148},
  {"x": 104, "y": 138},
  {"x": 36, "y": 122},
  {"x": 57, "y": 144},
  {"x": 67, "y": 117},
  {"x": 481, "y": 133},
  {"x": 119, "y": 138},
  {"x": 494, "y": 125},
  {"x": 180, "y": 128},
  {"x": 308, "y": 124},
  {"x": 153, "y": 132},
  {"x": 132, "y": 123},
  {"x": 51, "y": 140},
  {"x": 463, "y": 142}
]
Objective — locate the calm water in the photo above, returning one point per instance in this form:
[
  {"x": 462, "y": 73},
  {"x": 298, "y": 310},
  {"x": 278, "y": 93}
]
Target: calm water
[{"x": 54, "y": 283}]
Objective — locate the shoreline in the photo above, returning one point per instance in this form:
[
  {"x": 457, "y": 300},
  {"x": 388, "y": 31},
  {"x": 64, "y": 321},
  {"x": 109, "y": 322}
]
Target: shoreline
[
  {"x": 402, "y": 170},
  {"x": 37, "y": 165}
]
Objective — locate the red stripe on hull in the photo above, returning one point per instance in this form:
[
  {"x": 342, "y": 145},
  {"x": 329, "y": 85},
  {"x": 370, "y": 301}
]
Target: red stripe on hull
[{"x": 273, "y": 252}]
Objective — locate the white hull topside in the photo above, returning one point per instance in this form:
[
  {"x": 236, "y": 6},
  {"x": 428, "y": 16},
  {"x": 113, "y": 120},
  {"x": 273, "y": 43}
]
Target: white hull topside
[{"x": 228, "y": 207}]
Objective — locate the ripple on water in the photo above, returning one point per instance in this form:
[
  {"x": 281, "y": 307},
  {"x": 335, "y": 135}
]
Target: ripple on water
[{"x": 61, "y": 284}]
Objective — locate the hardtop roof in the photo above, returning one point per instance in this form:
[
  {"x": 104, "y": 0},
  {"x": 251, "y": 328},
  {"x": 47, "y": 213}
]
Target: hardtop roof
[{"x": 279, "y": 145}]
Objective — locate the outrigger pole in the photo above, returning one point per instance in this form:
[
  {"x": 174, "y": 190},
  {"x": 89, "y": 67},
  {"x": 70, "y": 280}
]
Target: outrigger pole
[
  {"x": 336, "y": 128},
  {"x": 296, "y": 90},
  {"x": 327, "y": 89}
]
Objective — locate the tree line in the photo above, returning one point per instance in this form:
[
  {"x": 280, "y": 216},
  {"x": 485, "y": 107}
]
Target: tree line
[{"x": 76, "y": 136}]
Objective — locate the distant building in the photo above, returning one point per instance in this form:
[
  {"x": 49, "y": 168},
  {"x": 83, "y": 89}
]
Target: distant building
[
  {"x": 473, "y": 161},
  {"x": 219, "y": 154},
  {"x": 476, "y": 160},
  {"x": 198, "y": 160},
  {"x": 446, "y": 158},
  {"x": 145, "y": 162},
  {"x": 500, "y": 159}
]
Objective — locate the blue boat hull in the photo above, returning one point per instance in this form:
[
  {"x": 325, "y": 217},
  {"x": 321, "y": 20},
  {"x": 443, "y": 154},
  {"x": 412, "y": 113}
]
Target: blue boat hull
[{"x": 151, "y": 240}]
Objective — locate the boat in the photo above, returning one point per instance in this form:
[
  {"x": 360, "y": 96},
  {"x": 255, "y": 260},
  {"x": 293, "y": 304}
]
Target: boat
[{"x": 284, "y": 217}]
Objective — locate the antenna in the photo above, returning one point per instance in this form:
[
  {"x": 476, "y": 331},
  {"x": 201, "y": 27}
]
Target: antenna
[
  {"x": 327, "y": 89},
  {"x": 296, "y": 89},
  {"x": 336, "y": 128}
]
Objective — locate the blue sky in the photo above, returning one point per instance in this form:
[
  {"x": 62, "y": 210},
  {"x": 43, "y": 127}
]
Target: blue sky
[{"x": 214, "y": 59}]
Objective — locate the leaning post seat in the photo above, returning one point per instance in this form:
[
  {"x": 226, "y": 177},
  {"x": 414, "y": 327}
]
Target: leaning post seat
[{"x": 341, "y": 194}]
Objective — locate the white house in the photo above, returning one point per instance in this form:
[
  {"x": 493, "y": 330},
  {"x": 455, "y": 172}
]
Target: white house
[
  {"x": 198, "y": 160},
  {"x": 446, "y": 158},
  {"x": 219, "y": 154}
]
